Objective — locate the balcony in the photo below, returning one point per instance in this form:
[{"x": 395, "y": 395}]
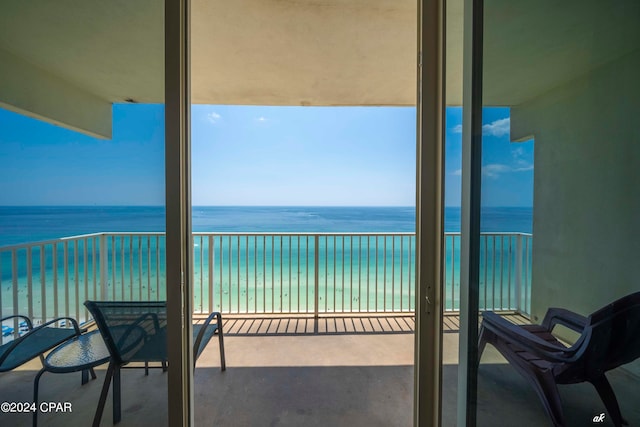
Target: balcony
[
  {"x": 355, "y": 378},
  {"x": 319, "y": 327},
  {"x": 331, "y": 315}
]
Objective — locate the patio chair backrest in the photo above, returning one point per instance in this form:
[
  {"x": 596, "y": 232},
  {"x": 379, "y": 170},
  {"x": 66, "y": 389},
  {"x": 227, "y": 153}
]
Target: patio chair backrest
[
  {"x": 620, "y": 321},
  {"x": 612, "y": 336},
  {"x": 127, "y": 327}
]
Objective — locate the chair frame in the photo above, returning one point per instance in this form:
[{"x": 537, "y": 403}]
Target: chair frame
[
  {"x": 14, "y": 345},
  {"x": 118, "y": 362},
  {"x": 545, "y": 361}
]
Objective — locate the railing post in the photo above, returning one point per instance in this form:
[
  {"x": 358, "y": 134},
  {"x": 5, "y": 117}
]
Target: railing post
[
  {"x": 103, "y": 267},
  {"x": 29, "y": 283},
  {"x": 527, "y": 271},
  {"x": 14, "y": 288},
  {"x": 316, "y": 281},
  {"x": 518, "y": 272}
]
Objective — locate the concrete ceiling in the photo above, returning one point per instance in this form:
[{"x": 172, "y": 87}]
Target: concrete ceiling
[
  {"x": 531, "y": 47},
  {"x": 304, "y": 52},
  {"x": 68, "y": 60}
]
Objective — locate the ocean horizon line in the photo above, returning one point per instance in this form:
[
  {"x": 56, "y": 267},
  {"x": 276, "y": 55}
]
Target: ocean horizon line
[
  {"x": 35, "y": 223},
  {"x": 252, "y": 206}
]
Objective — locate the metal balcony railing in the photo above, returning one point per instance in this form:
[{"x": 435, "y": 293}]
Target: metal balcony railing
[{"x": 311, "y": 273}]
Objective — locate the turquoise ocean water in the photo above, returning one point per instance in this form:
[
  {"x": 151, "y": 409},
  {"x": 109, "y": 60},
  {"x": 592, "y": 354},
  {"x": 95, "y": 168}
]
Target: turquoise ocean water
[
  {"x": 35, "y": 223},
  {"x": 242, "y": 272}
]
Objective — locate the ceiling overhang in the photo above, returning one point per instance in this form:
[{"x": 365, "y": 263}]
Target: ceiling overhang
[{"x": 67, "y": 61}]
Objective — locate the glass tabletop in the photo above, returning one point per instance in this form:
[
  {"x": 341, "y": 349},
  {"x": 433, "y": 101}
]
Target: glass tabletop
[{"x": 83, "y": 352}]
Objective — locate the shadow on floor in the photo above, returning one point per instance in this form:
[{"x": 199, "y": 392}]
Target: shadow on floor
[
  {"x": 293, "y": 326},
  {"x": 305, "y": 396},
  {"x": 313, "y": 380}
]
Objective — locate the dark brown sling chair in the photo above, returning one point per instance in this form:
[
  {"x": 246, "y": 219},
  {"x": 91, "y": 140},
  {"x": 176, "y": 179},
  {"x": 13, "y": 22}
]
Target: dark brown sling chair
[{"x": 609, "y": 337}]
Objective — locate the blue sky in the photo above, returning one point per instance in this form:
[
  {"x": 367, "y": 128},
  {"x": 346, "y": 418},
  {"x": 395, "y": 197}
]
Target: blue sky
[{"x": 347, "y": 156}]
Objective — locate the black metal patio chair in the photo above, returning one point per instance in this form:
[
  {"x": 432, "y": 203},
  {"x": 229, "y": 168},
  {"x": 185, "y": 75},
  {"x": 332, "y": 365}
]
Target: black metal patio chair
[
  {"x": 609, "y": 337},
  {"x": 136, "y": 331}
]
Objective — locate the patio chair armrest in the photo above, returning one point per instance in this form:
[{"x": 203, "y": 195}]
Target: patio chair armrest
[
  {"x": 560, "y": 316},
  {"x": 26, "y": 319},
  {"x": 73, "y": 321},
  {"x": 511, "y": 332},
  {"x": 135, "y": 327},
  {"x": 143, "y": 317},
  {"x": 202, "y": 331}
]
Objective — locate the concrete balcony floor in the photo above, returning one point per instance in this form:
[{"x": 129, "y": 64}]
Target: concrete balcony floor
[{"x": 354, "y": 371}]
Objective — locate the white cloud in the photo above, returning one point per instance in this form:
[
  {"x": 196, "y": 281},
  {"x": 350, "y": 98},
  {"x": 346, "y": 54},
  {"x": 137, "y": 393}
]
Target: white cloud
[
  {"x": 457, "y": 172},
  {"x": 517, "y": 152},
  {"x": 495, "y": 170},
  {"x": 523, "y": 168},
  {"x": 213, "y": 117},
  {"x": 262, "y": 119},
  {"x": 498, "y": 128},
  {"x": 521, "y": 165}
]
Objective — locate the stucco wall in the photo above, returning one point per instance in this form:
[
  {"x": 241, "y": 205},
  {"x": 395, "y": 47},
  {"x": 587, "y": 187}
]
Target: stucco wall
[{"x": 586, "y": 221}]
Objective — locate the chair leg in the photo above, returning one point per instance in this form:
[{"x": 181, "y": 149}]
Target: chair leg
[
  {"x": 223, "y": 363},
  {"x": 103, "y": 395},
  {"x": 604, "y": 389},
  {"x": 542, "y": 382},
  {"x": 547, "y": 389},
  {"x": 482, "y": 341},
  {"x": 36, "y": 384},
  {"x": 117, "y": 413}
]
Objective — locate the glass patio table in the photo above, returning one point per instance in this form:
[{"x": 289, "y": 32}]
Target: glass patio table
[{"x": 81, "y": 353}]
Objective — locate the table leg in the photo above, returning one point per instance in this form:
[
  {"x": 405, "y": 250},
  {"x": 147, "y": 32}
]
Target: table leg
[
  {"x": 85, "y": 375},
  {"x": 36, "y": 383},
  {"x": 103, "y": 395}
]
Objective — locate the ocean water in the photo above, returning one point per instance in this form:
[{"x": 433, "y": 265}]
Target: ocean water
[
  {"x": 36, "y": 223},
  {"x": 235, "y": 272}
]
